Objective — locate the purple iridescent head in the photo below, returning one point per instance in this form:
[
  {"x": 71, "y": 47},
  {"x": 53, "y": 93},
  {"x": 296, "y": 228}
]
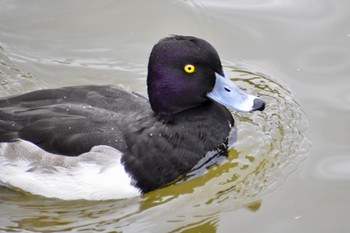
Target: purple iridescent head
[{"x": 185, "y": 72}]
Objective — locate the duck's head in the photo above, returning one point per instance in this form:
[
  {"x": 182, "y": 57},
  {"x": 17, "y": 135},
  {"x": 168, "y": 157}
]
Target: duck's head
[{"x": 185, "y": 72}]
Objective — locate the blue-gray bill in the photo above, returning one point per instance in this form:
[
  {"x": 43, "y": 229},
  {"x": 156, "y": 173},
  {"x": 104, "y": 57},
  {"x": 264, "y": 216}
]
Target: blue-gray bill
[{"x": 228, "y": 94}]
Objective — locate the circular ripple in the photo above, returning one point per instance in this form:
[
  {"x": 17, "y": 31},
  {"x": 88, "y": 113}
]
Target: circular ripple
[{"x": 270, "y": 145}]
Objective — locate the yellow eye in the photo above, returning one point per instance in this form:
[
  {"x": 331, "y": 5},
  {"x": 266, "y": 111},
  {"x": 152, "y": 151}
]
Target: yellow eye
[{"x": 189, "y": 68}]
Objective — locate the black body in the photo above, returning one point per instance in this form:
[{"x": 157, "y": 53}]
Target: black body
[{"x": 159, "y": 143}]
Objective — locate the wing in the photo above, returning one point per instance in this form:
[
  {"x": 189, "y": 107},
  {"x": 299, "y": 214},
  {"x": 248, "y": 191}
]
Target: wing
[{"x": 70, "y": 120}]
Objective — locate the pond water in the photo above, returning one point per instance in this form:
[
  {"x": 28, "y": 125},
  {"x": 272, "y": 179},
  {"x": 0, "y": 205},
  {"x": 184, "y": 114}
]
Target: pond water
[{"x": 294, "y": 54}]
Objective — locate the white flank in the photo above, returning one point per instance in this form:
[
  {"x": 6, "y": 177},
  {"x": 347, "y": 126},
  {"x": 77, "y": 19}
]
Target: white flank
[{"x": 95, "y": 175}]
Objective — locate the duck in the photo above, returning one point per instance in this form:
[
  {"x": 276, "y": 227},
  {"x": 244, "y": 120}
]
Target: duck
[{"x": 101, "y": 142}]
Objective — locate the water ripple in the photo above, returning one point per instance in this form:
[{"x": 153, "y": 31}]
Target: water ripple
[
  {"x": 15, "y": 79},
  {"x": 270, "y": 146}
]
